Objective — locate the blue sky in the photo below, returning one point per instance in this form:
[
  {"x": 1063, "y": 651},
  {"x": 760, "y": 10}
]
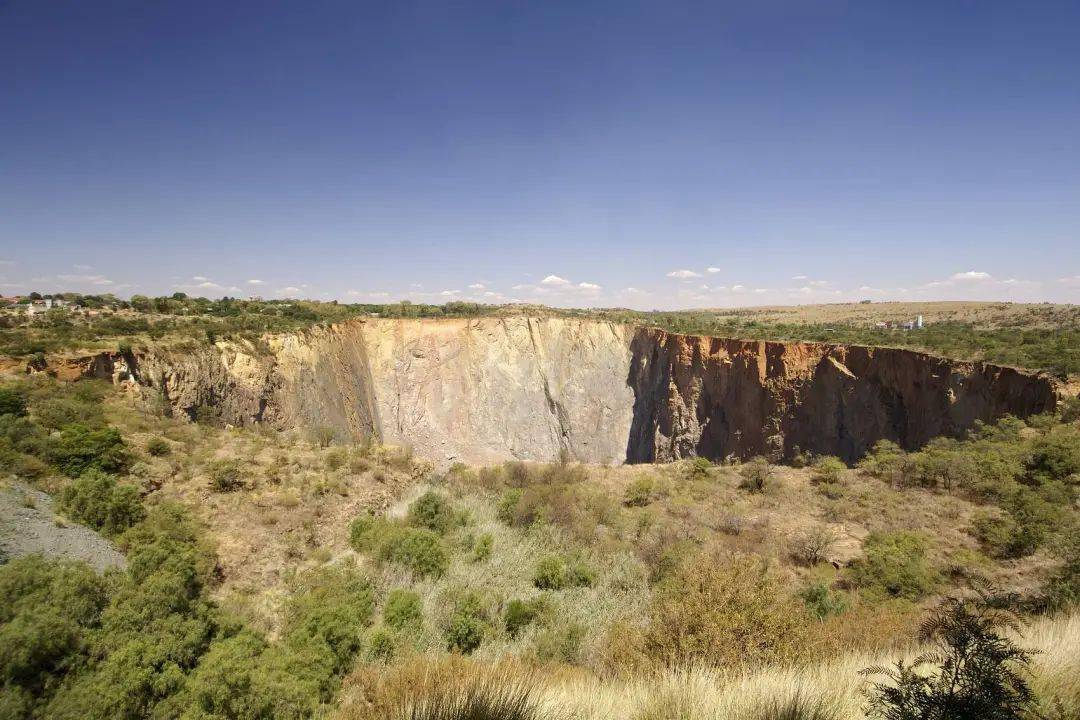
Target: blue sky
[{"x": 645, "y": 154}]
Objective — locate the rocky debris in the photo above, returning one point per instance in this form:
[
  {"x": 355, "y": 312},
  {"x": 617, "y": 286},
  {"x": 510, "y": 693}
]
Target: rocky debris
[{"x": 28, "y": 526}]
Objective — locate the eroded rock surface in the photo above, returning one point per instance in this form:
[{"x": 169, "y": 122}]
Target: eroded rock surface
[{"x": 491, "y": 389}]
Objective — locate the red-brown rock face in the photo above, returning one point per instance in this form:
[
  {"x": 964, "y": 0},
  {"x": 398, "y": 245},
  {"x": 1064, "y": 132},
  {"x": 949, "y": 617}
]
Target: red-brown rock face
[{"x": 716, "y": 397}]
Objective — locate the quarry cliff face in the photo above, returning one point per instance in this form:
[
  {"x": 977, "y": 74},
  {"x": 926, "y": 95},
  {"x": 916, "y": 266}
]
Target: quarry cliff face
[{"x": 491, "y": 389}]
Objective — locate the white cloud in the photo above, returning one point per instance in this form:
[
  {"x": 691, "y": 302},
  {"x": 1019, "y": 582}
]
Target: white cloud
[
  {"x": 798, "y": 277},
  {"x": 1074, "y": 280},
  {"x": 711, "y": 270},
  {"x": 683, "y": 274},
  {"x": 554, "y": 280},
  {"x": 85, "y": 279},
  {"x": 209, "y": 285},
  {"x": 478, "y": 286},
  {"x": 359, "y": 293},
  {"x": 761, "y": 290},
  {"x": 255, "y": 282},
  {"x": 290, "y": 291},
  {"x": 450, "y": 293},
  {"x": 199, "y": 278},
  {"x": 588, "y": 286},
  {"x": 738, "y": 288},
  {"x": 971, "y": 275},
  {"x": 82, "y": 268}
]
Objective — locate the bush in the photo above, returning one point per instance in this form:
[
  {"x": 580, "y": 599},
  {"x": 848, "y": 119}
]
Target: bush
[
  {"x": 700, "y": 468},
  {"x": 331, "y": 605},
  {"x": 417, "y": 549},
  {"x": 157, "y": 447},
  {"x": 95, "y": 499},
  {"x": 12, "y": 401},
  {"x": 828, "y": 469},
  {"x": 78, "y": 449},
  {"x": 821, "y": 602},
  {"x": 978, "y": 672},
  {"x": 225, "y": 476},
  {"x": 725, "y": 612},
  {"x": 483, "y": 548},
  {"x": 894, "y": 564},
  {"x": 812, "y": 546},
  {"x": 756, "y": 474},
  {"x": 467, "y": 626},
  {"x": 403, "y": 610},
  {"x": 555, "y": 573},
  {"x": 508, "y": 503},
  {"x": 324, "y": 435},
  {"x": 380, "y": 645},
  {"x": 550, "y": 573},
  {"x": 1063, "y": 587},
  {"x": 431, "y": 511},
  {"x": 520, "y": 614},
  {"x": 640, "y": 492}
]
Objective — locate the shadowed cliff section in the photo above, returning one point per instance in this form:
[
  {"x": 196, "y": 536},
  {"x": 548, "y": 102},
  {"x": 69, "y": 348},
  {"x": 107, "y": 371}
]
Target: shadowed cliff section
[
  {"x": 717, "y": 397},
  {"x": 492, "y": 389}
]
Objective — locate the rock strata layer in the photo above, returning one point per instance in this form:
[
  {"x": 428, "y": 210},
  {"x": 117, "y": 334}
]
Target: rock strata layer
[{"x": 491, "y": 389}]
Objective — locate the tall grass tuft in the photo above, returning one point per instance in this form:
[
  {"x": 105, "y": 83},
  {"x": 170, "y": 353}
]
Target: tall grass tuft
[{"x": 487, "y": 697}]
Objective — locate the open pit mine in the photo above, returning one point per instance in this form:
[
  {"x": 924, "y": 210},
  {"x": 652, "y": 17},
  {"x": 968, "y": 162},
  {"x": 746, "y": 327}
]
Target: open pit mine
[{"x": 492, "y": 389}]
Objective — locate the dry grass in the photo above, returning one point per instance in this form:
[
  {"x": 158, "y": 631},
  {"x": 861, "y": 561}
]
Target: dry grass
[{"x": 832, "y": 689}]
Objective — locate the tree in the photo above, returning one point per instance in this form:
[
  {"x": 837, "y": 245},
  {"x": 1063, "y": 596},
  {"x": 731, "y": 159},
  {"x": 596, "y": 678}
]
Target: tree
[{"x": 977, "y": 672}]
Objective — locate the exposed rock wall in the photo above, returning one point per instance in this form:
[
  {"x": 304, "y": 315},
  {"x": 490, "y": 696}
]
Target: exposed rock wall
[
  {"x": 489, "y": 389},
  {"x": 717, "y": 397}
]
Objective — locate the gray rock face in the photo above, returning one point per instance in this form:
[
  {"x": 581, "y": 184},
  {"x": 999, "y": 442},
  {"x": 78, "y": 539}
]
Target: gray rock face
[{"x": 492, "y": 389}]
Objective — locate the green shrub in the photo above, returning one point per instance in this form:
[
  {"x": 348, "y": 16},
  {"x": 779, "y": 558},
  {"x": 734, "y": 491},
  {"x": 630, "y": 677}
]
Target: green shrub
[
  {"x": 1063, "y": 587},
  {"x": 12, "y": 401},
  {"x": 403, "y": 610},
  {"x": 508, "y": 503},
  {"x": 95, "y": 499},
  {"x": 828, "y": 469},
  {"x": 519, "y": 614},
  {"x": 978, "y": 672},
  {"x": 225, "y": 476},
  {"x": 483, "y": 548},
  {"x": 894, "y": 564},
  {"x": 756, "y": 474},
  {"x": 822, "y": 602},
  {"x": 431, "y": 511},
  {"x": 157, "y": 447},
  {"x": 78, "y": 449},
  {"x": 55, "y": 413},
  {"x": 331, "y": 605},
  {"x": 420, "y": 550},
  {"x": 550, "y": 573},
  {"x": 579, "y": 574},
  {"x": 640, "y": 492},
  {"x": 700, "y": 468},
  {"x": 467, "y": 625},
  {"x": 380, "y": 645}
]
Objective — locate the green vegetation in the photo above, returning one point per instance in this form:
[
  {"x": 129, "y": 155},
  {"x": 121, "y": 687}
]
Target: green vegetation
[
  {"x": 95, "y": 499},
  {"x": 403, "y": 610},
  {"x": 979, "y": 673},
  {"x": 895, "y": 565}
]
